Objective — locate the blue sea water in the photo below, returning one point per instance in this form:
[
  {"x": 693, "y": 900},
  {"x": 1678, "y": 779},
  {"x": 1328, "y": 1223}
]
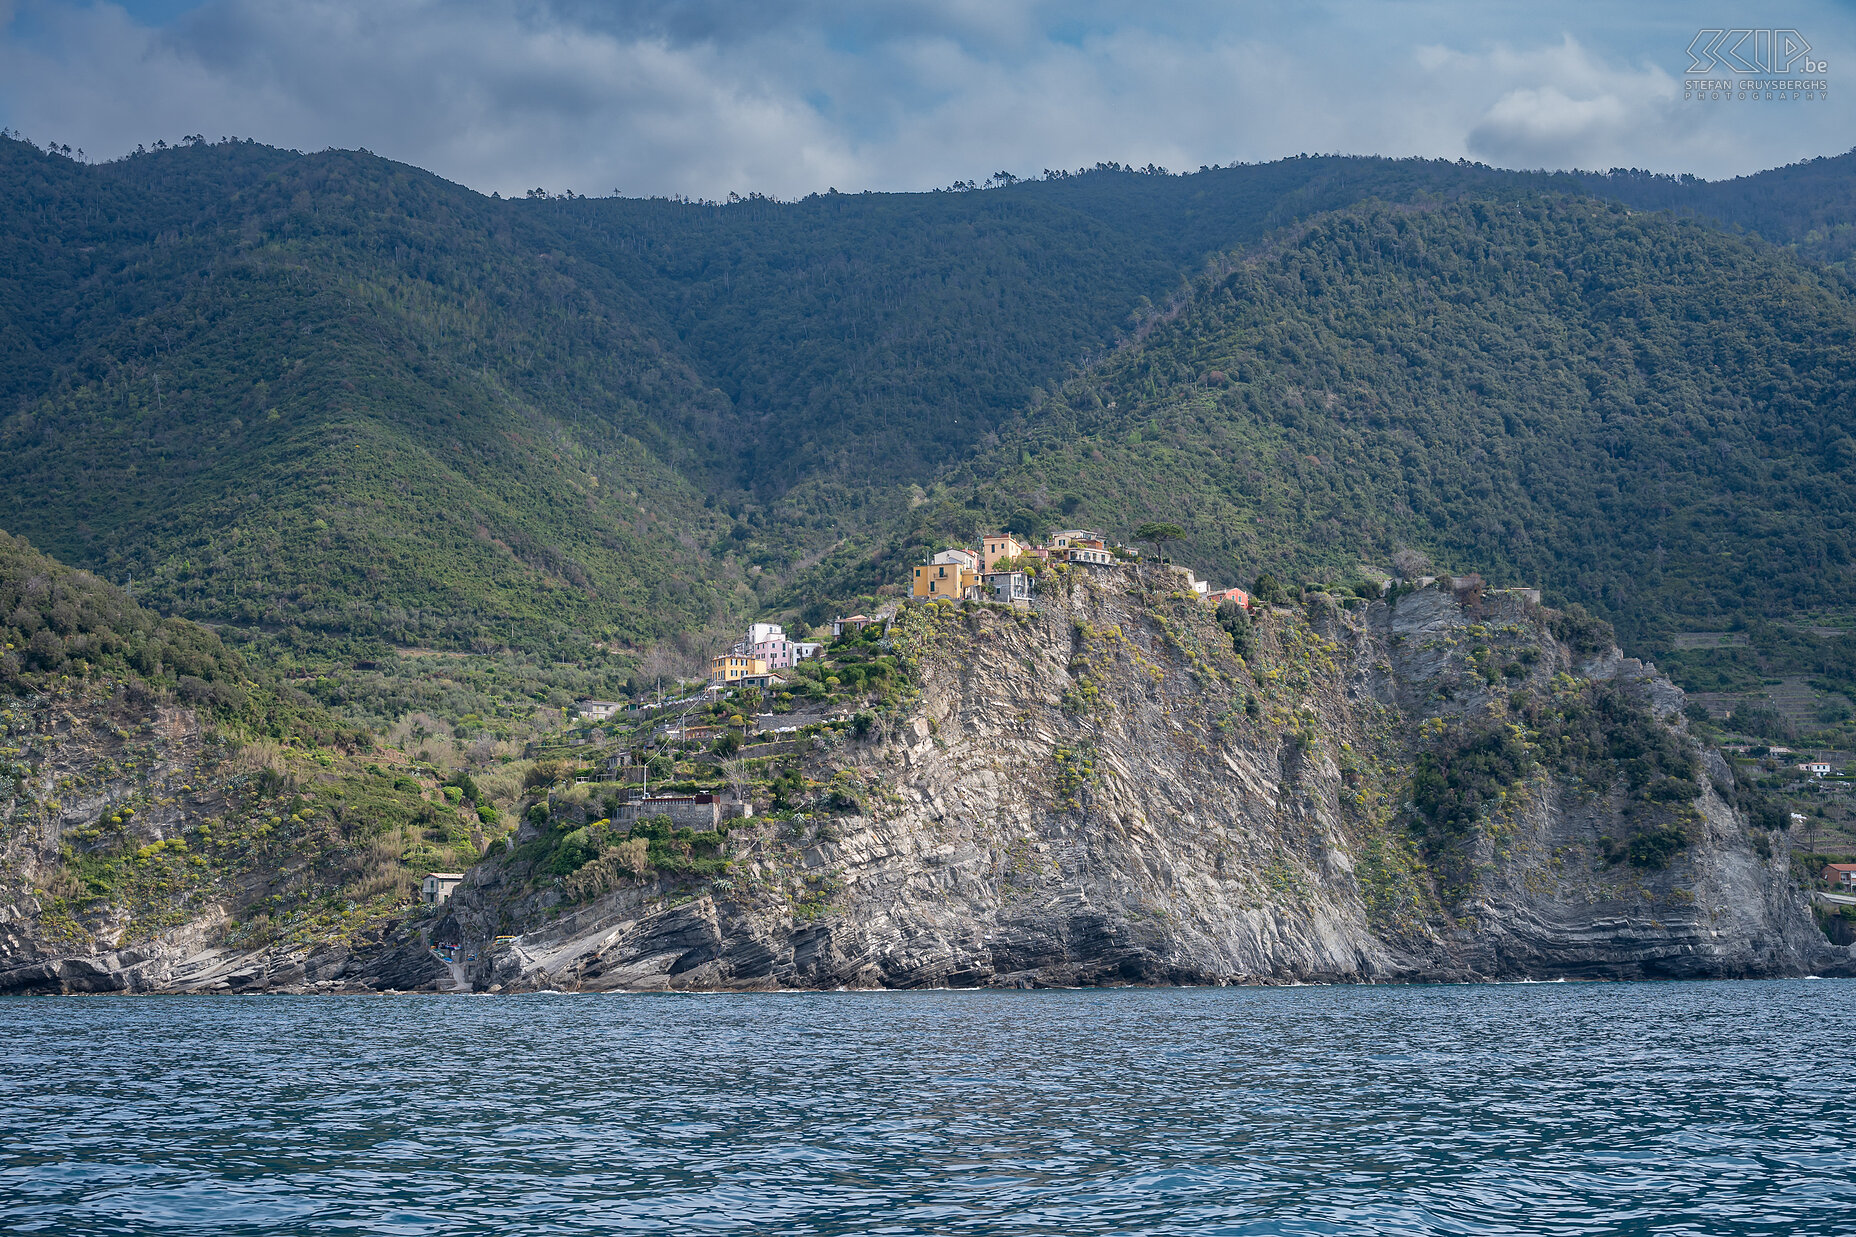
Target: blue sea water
[{"x": 1708, "y": 1108}]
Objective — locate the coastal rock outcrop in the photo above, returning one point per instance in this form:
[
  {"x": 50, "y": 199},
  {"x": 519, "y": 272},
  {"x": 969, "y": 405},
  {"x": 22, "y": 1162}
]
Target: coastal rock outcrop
[
  {"x": 1122, "y": 787},
  {"x": 1119, "y": 786}
]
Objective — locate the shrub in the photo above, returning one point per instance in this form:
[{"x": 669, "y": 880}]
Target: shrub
[
  {"x": 1654, "y": 848},
  {"x": 1236, "y": 622},
  {"x": 1762, "y": 722},
  {"x": 1269, "y": 591},
  {"x": 577, "y": 849},
  {"x": 1451, "y": 783},
  {"x": 1581, "y": 630},
  {"x": 655, "y": 828},
  {"x": 632, "y": 855}
]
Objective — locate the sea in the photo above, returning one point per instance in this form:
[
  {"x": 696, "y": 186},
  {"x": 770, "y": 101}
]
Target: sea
[{"x": 1667, "y": 1108}]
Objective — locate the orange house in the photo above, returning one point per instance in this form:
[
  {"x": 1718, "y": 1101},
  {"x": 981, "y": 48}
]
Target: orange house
[
  {"x": 997, "y": 547},
  {"x": 944, "y": 580}
]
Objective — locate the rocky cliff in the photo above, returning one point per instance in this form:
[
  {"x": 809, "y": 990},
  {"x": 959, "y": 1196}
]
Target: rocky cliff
[
  {"x": 1122, "y": 787},
  {"x": 143, "y": 849}
]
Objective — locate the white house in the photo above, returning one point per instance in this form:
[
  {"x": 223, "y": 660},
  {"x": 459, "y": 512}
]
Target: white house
[
  {"x": 965, "y": 558},
  {"x": 597, "y": 710},
  {"x": 1816, "y": 768},
  {"x": 438, "y": 886},
  {"x": 1008, "y": 586}
]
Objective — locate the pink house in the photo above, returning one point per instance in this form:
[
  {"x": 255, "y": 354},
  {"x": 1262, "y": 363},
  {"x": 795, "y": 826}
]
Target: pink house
[{"x": 769, "y": 642}]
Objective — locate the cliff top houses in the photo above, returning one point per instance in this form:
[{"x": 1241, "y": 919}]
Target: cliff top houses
[
  {"x": 1001, "y": 568},
  {"x": 757, "y": 659}
]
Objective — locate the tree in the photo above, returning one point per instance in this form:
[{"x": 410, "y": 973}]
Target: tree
[
  {"x": 1156, "y": 534},
  {"x": 1410, "y": 563},
  {"x": 740, "y": 779}
]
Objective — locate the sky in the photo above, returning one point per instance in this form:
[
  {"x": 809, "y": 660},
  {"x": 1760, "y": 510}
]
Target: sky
[{"x": 786, "y": 97}]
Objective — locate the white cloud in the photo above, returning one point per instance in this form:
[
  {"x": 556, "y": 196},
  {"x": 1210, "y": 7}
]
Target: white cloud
[{"x": 789, "y": 96}]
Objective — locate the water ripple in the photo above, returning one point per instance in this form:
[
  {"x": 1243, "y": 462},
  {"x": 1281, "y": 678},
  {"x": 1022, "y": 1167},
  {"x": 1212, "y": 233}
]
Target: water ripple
[{"x": 1539, "y": 1109}]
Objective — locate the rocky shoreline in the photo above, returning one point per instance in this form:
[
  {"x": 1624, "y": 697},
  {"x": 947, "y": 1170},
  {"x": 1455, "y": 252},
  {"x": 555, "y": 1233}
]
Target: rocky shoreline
[{"x": 1105, "y": 792}]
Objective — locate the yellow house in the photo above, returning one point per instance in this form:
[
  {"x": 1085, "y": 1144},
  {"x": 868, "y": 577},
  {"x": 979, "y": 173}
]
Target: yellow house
[
  {"x": 944, "y": 580},
  {"x": 731, "y": 666},
  {"x": 1000, "y": 546}
]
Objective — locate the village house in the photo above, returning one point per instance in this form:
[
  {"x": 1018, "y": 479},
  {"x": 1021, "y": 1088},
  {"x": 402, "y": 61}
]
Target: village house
[
  {"x": 1193, "y": 583},
  {"x": 1092, "y": 554},
  {"x": 437, "y": 886},
  {"x": 1816, "y": 768},
  {"x": 949, "y": 579},
  {"x": 770, "y": 643},
  {"x": 840, "y": 627},
  {"x": 1007, "y": 586},
  {"x": 956, "y": 556},
  {"x": 727, "y": 668},
  {"x": 597, "y": 710},
  {"x": 1842, "y": 875},
  {"x": 999, "y": 547},
  {"x": 958, "y": 574}
]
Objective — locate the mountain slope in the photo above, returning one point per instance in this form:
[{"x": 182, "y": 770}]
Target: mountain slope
[
  {"x": 160, "y": 796},
  {"x": 270, "y": 421},
  {"x": 1640, "y": 413},
  {"x": 340, "y": 399}
]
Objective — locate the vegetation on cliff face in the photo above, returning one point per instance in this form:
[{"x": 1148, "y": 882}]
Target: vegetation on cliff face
[{"x": 148, "y": 774}]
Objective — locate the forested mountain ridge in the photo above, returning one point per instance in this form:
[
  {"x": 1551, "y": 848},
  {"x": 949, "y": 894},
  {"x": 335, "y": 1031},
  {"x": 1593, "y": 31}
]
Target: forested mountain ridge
[
  {"x": 1636, "y": 411},
  {"x": 341, "y": 400},
  {"x": 271, "y": 426}
]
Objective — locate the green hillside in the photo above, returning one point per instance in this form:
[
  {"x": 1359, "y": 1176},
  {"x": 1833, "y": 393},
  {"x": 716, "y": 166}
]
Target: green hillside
[
  {"x": 335, "y": 402},
  {"x": 1636, "y": 412},
  {"x": 334, "y": 398},
  {"x": 329, "y": 401},
  {"x": 151, "y": 776}
]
